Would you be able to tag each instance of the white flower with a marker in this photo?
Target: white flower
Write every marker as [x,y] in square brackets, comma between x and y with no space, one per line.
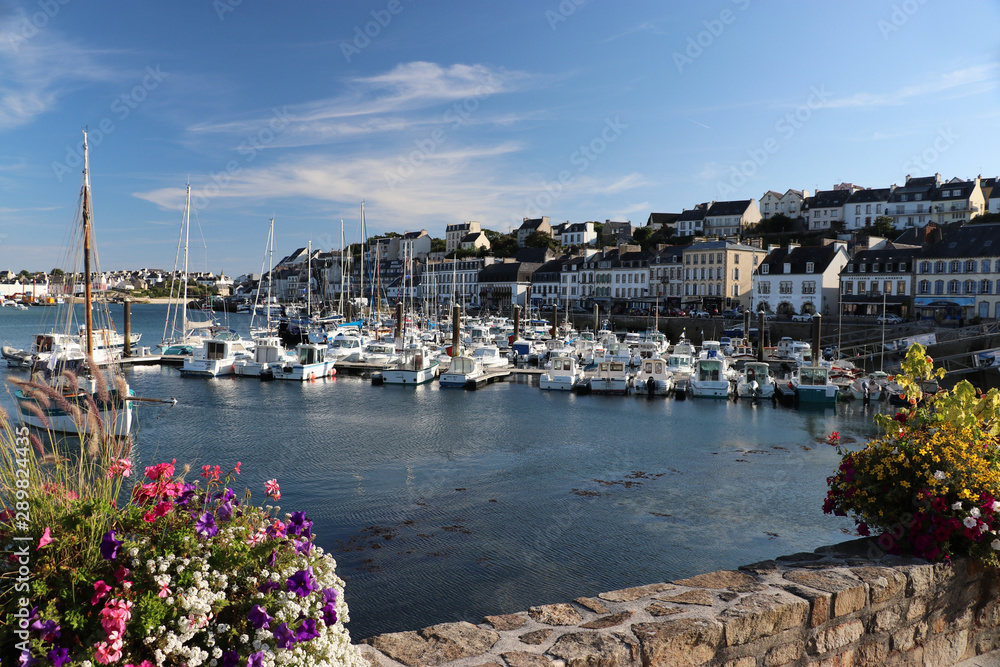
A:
[969,522]
[940,474]
[957,506]
[996,505]
[995,544]
[974,512]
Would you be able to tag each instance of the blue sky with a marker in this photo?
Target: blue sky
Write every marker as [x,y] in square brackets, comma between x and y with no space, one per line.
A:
[451,111]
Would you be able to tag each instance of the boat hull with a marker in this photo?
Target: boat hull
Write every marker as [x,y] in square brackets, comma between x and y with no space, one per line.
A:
[408,377]
[709,389]
[115,414]
[304,373]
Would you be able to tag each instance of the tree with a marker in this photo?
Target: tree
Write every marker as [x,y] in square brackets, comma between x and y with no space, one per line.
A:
[438,245]
[540,240]
[777,223]
[985,218]
[57,272]
[504,245]
[883,226]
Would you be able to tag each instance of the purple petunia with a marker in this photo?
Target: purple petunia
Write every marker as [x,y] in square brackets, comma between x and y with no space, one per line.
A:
[329,614]
[58,656]
[230,659]
[225,511]
[259,617]
[301,583]
[110,546]
[330,595]
[283,636]
[268,586]
[303,547]
[273,557]
[206,525]
[49,630]
[298,524]
[256,659]
[306,631]
[185,495]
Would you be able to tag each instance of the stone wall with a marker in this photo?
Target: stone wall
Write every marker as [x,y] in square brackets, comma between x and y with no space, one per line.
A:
[836,607]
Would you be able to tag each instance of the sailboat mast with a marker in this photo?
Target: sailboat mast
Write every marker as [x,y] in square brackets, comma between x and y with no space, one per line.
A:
[187,236]
[270,258]
[309,255]
[88,297]
[364,242]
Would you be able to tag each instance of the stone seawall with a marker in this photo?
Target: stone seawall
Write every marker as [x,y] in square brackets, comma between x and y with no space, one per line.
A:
[840,606]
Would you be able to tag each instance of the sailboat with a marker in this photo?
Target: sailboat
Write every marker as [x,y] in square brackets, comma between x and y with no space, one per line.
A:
[68,389]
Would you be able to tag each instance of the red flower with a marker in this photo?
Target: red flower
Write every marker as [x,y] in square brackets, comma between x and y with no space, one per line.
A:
[834,438]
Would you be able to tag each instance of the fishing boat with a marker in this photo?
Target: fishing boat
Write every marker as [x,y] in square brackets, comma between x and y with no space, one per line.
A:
[709,379]
[268,353]
[653,378]
[755,381]
[611,378]
[563,375]
[217,356]
[416,365]
[462,370]
[67,385]
[811,385]
[310,363]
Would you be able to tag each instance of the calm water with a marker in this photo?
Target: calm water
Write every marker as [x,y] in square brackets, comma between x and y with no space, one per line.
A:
[444,505]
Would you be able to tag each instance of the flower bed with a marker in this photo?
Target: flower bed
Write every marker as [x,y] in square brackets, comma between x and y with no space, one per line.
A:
[930,484]
[173,573]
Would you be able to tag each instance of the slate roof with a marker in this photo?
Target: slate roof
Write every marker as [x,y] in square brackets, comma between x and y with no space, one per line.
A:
[890,253]
[536,255]
[662,218]
[737,207]
[508,272]
[967,241]
[696,213]
[870,196]
[828,199]
[530,225]
[954,190]
[670,254]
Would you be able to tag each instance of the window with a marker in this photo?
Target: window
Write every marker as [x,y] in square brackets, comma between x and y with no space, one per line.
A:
[939,287]
[939,267]
[764,288]
[863,267]
[887,287]
[711,258]
[970,287]
[736,273]
[850,268]
[902,266]
[984,286]
[809,287]
[875,267]
[718,257]
[953,286]
[785,287]
[857,209]
[736,259]
[925,267]
[736,290]
[810,267]
[970,266]
[924,287]
[900,287]
[764,268]
[955,266]
[848,287]
[861,287]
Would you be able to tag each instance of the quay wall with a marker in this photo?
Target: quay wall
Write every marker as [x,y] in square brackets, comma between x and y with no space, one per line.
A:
[840,606]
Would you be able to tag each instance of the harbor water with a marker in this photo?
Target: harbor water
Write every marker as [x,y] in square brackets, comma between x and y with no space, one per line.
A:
[444,505]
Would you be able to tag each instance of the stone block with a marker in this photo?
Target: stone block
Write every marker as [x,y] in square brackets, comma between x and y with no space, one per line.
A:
[849,593]
[838,636]
[917,609]
[634,593]
[871,654]
[782,654]
[555,614]
[593,604]
[819,603]
[844,659]
[919,580]
[436,644]
[762,567]
[745,661]
[535,638]
[505,622]
[762,615]
[883,583]
[659,609]
[525,659]
[720,579]
[946,649]
[885,620]
[684,642]
[593,649]
[698,596]
[607,621]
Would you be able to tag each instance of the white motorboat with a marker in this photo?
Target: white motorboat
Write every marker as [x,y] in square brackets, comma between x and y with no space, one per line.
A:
[871,386]
[611,378]
[563,375]
[217,356]
[811,385]
[489,356]
[416,365]
[709,379]
[347,347]
[310,364]
[268,352]
[755,381]
[653,378]
[462,370]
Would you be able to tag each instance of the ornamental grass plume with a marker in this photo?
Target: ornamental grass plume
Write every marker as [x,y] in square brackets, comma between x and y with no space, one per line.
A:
[158,570]
[929,485]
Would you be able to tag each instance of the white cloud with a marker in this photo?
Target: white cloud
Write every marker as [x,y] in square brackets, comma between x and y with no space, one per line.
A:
[958,83]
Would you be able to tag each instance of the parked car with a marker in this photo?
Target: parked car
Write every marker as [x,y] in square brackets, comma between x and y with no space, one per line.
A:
[731,313]
[802,317]
[700,313]
[889,319]
[769,316]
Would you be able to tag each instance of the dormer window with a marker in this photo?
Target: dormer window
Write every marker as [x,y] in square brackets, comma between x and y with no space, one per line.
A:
[765,268]
[787,268]
[810,267]
[850,268]
[862,267]
[875,267]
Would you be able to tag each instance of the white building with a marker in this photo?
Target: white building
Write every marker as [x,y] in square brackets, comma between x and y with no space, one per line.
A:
[796,279]
[863,207]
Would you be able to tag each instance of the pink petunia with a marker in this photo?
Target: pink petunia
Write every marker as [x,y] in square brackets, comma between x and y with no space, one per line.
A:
[100,590]
[272,489]
[45,539]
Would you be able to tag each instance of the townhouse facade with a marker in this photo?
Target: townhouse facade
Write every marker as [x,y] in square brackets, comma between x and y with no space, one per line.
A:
[960,274]
[730,218]
[455,232]
[789,203]
[800,280]
[825,209]
[718,275]
[864,207]
[453,281]
[879,280]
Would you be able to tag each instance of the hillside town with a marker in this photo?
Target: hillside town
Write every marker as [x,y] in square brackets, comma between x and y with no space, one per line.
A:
[927,249]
